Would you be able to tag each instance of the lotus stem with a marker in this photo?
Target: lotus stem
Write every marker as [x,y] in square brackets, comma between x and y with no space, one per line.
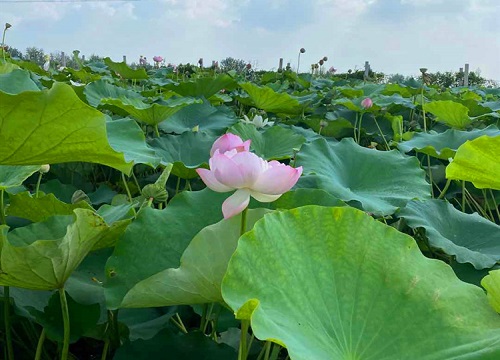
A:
[6,314]
[129,194]
[242,352]
[38,182]
[66,324]
[448,182]
[39,347]
[2,208]
[495,203]
[243,226]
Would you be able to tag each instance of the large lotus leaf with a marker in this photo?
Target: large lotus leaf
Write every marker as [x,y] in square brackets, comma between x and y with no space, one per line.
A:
[491,283]
[302,197]
[16,82]
[493,105]
[126,136]
[101,89]
[56,127]
[36,209]
[274,143]
[7,67]
[267,99]
[83,318]
[203,87]
[12,176]
[41,256]
[203,265]
[469,237]
[477,161]
[333,283]
[385,101]
[333,124]
[449,112]
[187,152]
[444,145]
[124,71]
[191,346]
[151,114]
[205,116]
[156,240]
[381,181]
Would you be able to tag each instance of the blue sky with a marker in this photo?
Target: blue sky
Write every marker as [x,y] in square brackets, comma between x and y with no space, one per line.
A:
[396,36]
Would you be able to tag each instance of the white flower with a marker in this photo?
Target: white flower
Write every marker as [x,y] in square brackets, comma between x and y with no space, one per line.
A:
[258,121]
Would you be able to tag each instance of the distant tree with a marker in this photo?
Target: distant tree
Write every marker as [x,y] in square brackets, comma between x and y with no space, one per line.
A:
[15,53]
[94,58]
[396,78]
[230,63]
[35,55]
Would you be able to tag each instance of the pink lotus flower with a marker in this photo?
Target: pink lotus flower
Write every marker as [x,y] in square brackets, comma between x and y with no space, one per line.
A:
[228,142]
[157,59]
[367,103]
[249,175]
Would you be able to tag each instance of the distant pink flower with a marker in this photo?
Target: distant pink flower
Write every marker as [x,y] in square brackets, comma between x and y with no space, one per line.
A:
[367,103]
[228,142]
[157,59]
[332,70]
[249,175]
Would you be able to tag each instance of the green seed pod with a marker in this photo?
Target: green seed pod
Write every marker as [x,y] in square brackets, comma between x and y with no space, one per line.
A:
[155,191]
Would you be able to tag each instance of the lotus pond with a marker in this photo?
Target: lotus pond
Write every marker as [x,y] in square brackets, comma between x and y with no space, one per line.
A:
[165,215]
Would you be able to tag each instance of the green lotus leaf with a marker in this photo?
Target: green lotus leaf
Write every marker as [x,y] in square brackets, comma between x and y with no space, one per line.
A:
[83,318]
[491,283]
[187,152]
[354,288]
[274,143]
[333,124]
[12,176]
[42,256]
[203,265]
[381,181]
[203,87]
[16,82]
[444,145]
[193,345]
[267,99]
[151,114]
[477,161]
[126,136]
[156,240]
[469,237]
[493,105]
[7,67]
[124,71]
[101,89]
[301,197]
[385,101]
[37,209]
[449,112]
[56,127]
[205,116]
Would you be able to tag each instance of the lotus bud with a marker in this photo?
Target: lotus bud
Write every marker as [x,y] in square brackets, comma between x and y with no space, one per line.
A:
[44,169]
[155,192]
[79,195]
[302,50]
[323,123]
[367,103]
